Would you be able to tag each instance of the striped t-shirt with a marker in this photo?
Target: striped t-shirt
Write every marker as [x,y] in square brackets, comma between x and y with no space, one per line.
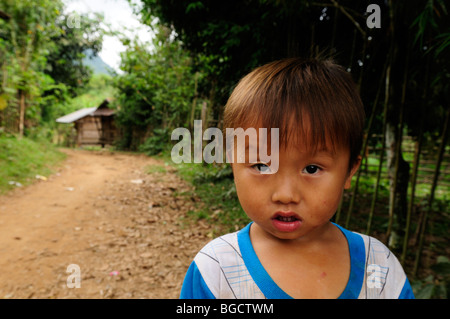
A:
[228,267]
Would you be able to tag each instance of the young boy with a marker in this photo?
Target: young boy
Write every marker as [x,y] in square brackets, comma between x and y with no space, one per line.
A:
[291,249]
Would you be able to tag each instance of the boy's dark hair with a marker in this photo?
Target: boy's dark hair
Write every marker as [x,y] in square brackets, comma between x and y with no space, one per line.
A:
[313,100]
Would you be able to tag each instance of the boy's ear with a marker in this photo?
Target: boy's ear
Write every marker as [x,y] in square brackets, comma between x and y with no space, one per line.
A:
[353,170]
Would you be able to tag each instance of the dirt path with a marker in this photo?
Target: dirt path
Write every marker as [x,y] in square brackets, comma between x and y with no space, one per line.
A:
[101,211]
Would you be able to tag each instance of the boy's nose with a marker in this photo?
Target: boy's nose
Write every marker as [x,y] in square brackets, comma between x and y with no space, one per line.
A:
[286,190]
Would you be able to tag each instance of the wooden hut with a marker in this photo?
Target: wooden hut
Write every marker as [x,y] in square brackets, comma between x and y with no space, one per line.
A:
[94,125]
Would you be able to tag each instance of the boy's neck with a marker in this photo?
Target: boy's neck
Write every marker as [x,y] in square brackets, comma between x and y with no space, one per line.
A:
[314,266]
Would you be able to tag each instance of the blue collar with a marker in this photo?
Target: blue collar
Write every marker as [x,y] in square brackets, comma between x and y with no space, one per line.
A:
[271,290]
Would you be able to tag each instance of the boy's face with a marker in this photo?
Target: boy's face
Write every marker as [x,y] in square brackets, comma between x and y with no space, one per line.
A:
[300,197]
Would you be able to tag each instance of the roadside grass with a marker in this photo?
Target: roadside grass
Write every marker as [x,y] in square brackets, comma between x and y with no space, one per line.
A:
[22,160]
[214,188]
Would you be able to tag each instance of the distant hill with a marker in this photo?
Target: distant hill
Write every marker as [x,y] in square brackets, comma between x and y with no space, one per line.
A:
[96,64]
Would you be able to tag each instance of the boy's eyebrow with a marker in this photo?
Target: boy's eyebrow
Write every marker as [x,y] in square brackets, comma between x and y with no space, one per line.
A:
[323,151]
[320,151]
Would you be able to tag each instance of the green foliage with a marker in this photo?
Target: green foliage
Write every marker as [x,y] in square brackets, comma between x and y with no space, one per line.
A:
[229,38]
[69,46]
[99,88]
[214,175]
[22,159]
[156,89]
[156,143]
[24,43]
[41,61]
[426,21]
[437,285]
[214,185]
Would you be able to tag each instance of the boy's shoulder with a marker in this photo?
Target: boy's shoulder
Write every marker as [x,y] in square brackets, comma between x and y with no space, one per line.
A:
[223,269]
[384,276]
[227,245]
[222,244]
[373,248]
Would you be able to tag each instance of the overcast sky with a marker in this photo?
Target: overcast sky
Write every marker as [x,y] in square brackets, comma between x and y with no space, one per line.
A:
[119,15]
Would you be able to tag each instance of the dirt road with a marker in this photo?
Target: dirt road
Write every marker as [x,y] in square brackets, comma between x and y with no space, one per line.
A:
[121,227]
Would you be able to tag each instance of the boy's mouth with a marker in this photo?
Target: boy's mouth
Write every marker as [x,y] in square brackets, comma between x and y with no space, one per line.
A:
[286,221]
[286,216]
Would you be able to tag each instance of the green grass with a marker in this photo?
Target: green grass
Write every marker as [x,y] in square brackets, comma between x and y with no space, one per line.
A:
[425,175]
[155,169]
[214,186]
[21,159]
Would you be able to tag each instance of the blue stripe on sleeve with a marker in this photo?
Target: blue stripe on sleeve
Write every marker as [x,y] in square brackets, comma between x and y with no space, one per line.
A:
[194,286]
[406,292]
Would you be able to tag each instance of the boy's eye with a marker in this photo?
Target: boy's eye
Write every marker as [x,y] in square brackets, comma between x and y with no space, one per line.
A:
[311,169]
[261,167]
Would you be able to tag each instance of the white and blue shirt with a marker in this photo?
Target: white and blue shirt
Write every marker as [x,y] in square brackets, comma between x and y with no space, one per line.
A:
[228,268]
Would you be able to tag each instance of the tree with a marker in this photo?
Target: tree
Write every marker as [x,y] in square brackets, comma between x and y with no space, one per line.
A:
[40,60]
[155,91]
[24,38]
[69,46]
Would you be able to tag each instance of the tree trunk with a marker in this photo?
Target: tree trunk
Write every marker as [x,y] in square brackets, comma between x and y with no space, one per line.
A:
[194,103]
[398,168]
[381,156]
[363,156]
[398,172]
[417,149]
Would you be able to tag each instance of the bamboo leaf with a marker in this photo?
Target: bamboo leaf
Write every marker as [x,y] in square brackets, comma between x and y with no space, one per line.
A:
[426,292]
